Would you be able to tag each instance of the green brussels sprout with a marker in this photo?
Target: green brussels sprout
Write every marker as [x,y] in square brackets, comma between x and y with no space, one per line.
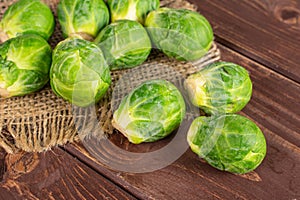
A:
[180,33]
[79,72]
[27,16]
[24,65]
[221,87]
[150,112]
[125,44]
[228,142]
[84,18]
[136,10]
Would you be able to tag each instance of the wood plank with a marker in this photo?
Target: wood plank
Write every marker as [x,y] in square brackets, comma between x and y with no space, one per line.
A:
[2,162]
[54,175]
[275,100]
[274,107]
[266,31]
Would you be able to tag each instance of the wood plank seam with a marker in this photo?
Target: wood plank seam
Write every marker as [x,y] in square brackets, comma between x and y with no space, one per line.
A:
[250,56]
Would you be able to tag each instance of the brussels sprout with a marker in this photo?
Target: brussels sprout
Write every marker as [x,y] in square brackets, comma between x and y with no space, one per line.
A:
[27,16]
[179,33]
[79,72]
[221,87]
[150,112]
[84,18]
[24,65]
[136,10]
[125,44]
[228,142]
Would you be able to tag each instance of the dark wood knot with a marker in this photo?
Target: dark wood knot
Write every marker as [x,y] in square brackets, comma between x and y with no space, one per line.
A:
[290,16]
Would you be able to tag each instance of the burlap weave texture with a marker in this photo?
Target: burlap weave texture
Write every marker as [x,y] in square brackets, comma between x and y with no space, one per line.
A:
[41,120]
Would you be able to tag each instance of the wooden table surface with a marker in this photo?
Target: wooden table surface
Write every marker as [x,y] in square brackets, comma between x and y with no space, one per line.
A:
[264,37]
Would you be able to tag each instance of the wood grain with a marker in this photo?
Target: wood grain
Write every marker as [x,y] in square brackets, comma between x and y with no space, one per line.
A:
[54,175]
[275,101]
[274,108]
[2,163]
[267,31]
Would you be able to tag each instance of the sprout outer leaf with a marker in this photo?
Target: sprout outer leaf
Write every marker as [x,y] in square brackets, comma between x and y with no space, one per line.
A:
[82,18]
[150,112]
[27,17]
[24,65]
[228,142]
[79,72]
[125,44]
[221,87]
[179,33]
[136,10]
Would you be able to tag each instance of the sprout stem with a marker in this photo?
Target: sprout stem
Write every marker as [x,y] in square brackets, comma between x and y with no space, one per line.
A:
[118,127]
[82,35]
[4,93]
[3,36]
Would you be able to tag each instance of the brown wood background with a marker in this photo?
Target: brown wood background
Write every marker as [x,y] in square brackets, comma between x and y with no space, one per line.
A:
[264,37]
[266,31]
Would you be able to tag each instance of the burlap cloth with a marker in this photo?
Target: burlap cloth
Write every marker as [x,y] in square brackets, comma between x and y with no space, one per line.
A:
[39,121]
